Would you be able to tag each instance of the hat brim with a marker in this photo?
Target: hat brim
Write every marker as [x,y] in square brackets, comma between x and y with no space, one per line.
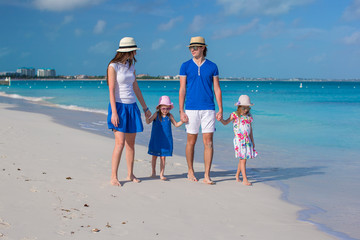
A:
[197,45]
[127,49]
[247,105]
[171,105]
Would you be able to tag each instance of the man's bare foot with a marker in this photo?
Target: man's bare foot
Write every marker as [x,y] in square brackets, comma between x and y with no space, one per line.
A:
[246,183]
[209,181]
[115,182]
[153,175]
[163,178]
[192,178]
[134,179]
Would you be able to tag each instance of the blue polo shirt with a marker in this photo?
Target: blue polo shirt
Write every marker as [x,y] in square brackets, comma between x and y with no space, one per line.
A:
[199,84]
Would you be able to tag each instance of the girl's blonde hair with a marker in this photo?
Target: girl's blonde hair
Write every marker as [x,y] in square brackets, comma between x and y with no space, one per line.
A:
[122,57]
[238,110]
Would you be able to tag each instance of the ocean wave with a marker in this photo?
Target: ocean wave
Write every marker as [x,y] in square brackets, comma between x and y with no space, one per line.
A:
[32,99]
[82,109]
[43,100]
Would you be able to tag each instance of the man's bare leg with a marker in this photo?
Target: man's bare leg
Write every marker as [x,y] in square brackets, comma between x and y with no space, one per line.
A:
[190,149]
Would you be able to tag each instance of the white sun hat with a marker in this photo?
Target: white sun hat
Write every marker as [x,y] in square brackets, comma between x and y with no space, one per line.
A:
[244,100]
[127,44]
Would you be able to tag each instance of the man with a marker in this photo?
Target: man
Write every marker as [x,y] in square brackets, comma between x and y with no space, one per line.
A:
[198,78]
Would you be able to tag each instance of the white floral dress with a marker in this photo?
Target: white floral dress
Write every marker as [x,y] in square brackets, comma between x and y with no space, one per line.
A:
[242,143]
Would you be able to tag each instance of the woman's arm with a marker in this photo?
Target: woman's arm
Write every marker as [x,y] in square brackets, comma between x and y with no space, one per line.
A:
[141,99]
[111,74]
[173,121]
[152,118]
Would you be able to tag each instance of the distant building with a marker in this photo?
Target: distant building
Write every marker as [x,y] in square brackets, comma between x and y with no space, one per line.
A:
[26,72]
[167,77]
[177,77]
[46,72]
[9,74]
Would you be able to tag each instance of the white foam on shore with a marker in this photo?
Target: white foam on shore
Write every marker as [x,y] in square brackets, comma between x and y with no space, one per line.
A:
[43,100]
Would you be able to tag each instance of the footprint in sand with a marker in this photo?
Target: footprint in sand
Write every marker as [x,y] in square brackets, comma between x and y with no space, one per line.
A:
[4,224]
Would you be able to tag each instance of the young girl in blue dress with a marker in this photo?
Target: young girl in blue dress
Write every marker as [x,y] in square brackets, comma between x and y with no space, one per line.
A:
[161,141]
[244,144]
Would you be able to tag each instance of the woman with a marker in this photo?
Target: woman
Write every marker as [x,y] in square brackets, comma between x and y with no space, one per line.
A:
[124,116]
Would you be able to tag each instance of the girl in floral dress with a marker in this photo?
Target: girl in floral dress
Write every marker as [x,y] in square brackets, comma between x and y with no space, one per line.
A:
[244,144]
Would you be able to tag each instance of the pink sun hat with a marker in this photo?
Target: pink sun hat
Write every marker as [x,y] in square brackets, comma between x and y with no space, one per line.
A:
[165,100]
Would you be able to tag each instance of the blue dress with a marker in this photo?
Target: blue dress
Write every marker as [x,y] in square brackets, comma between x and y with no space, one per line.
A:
[161,141]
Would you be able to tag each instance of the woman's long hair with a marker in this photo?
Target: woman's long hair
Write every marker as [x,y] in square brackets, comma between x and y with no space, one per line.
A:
[122,57]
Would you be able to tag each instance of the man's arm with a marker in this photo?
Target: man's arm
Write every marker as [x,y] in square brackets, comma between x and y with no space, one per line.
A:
[218,96]
[182,94]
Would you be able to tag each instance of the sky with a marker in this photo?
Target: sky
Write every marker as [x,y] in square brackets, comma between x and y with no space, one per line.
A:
[245,38]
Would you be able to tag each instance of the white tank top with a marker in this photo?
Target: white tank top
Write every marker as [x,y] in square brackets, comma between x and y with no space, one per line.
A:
[124,92]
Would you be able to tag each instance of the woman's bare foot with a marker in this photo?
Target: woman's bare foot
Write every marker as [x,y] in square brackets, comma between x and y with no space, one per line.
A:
[163,178]
[115,182]
[192,178]
[153,175]
[134,179]
[238,179]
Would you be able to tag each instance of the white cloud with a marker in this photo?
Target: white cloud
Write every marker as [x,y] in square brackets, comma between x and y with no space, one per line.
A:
[157,44]
[352,39]
[352,12]
[63,5]
[67,20]
[169,25]
[273,29]
[99,27]
[197,24]
[260,7]
[78,32]
[225,33]
[103,47]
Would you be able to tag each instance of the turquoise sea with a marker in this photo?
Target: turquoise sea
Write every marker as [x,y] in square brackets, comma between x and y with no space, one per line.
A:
[307,137]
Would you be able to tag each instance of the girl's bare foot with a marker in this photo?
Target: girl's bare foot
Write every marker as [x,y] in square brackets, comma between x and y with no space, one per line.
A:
[115,182]
[163,178]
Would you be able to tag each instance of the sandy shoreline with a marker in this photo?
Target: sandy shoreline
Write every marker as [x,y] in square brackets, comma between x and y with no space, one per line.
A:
[55,185]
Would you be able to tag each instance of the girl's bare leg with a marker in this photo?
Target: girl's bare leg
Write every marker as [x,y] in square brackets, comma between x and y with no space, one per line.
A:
[237,176]
[130,154]
[153,166]
[115,161]
[243,172]
[162,168]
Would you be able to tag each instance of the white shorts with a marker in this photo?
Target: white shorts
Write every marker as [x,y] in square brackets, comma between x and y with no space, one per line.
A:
[205,118]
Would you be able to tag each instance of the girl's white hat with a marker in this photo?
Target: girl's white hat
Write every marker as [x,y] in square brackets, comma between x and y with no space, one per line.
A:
[165,100]
[244,100]
[127,44]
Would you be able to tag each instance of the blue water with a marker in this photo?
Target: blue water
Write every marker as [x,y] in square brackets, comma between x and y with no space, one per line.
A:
[307,138]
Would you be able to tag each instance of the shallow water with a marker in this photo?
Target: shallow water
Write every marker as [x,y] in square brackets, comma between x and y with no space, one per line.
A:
[307,138]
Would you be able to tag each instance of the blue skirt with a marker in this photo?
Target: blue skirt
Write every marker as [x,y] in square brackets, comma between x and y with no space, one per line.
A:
[129,118]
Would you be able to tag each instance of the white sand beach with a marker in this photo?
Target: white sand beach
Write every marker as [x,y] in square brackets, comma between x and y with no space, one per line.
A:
[54,183]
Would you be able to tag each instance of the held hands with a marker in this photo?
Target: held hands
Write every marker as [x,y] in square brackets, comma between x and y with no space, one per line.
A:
[147,113]
[219,116]
[183,117]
